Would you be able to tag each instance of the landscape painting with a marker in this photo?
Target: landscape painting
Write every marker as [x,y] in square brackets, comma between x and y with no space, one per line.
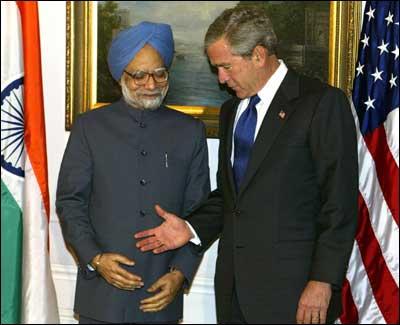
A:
[192,83]
[316,38]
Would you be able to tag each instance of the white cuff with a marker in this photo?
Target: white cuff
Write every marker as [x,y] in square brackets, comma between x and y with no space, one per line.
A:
[196,240]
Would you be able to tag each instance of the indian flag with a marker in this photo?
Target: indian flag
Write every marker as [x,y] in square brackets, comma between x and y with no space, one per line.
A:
[27,289]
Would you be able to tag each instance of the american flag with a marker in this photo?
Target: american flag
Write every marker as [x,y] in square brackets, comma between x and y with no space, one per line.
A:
[371,290]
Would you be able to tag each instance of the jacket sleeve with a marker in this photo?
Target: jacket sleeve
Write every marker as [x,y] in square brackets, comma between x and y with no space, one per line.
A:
[187,258]
[73,195]
[207,219]
[334,151]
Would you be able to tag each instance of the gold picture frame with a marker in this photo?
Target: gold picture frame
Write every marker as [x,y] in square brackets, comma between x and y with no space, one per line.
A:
[81,74]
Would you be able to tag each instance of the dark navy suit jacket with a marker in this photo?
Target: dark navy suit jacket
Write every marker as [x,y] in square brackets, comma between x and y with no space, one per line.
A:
[295,215]
[119,163]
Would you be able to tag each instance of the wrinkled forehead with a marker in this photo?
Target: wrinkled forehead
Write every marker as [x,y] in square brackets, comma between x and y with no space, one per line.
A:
[220,54]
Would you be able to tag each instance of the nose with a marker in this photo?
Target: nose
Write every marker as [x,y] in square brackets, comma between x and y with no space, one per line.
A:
[150,84]
[223,76]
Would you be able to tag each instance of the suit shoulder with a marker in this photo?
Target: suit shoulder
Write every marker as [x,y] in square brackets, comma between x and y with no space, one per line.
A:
[314,86]
[174,113]
[181,118]
[323,99]
[311,85]
[228,105]
[89,122]
[98,113]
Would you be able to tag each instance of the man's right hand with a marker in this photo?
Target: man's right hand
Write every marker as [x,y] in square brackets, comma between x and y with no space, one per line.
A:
[172,233]
[108,266]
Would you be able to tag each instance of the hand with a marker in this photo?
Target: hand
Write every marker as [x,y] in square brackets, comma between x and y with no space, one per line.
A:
[108,267]
[172,233]
[169,285]
[313,303]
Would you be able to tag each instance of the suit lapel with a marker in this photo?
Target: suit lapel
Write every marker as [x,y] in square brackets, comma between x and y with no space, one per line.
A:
[278,113]
[228,145]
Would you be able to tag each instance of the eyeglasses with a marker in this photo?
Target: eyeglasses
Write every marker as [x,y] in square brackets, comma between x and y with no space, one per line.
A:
[140,78]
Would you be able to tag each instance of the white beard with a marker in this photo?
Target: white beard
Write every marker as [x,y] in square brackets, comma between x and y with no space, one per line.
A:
[133,97]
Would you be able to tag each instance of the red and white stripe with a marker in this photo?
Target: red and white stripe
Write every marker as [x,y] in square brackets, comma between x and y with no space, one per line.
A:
[371,291]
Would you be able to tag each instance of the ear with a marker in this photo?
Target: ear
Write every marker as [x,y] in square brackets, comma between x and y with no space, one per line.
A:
[259,55]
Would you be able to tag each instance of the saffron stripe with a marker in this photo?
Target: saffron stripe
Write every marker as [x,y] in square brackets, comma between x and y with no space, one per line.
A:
[35,137]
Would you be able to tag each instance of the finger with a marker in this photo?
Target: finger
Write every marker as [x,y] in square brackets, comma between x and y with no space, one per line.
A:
[315,316]
[162,294]
[322,316]
[125,282]
[123,287]
[120,285]
[128,286]
[158,285]
[150,247]
[154,299]
[145,233]
[147,241]
[123,259]
[127,275]
[307,316]
[161,212]
[154,309]
[300,315]
[161,249]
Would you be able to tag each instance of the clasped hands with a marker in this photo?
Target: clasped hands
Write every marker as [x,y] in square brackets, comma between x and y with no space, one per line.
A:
[165,288]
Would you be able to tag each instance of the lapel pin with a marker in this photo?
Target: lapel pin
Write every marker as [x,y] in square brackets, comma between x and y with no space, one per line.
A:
[282,115]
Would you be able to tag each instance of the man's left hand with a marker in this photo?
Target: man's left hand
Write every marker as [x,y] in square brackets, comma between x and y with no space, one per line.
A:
[168,286]
[313,303]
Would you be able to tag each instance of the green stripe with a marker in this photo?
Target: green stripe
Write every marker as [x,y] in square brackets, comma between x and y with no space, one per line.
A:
[11,257]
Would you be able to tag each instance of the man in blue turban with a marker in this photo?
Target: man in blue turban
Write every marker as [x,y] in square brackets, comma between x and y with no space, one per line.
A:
[146,42]
[129,42]
[120,162]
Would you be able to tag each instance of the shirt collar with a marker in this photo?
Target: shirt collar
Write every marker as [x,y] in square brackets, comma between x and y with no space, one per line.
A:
[273,83]
[141,114]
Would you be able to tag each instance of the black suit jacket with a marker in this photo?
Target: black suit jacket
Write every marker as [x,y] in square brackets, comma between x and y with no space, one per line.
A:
[294,217]
[119,163]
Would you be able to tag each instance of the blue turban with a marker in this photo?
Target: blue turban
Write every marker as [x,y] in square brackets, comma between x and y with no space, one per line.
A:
[130,41]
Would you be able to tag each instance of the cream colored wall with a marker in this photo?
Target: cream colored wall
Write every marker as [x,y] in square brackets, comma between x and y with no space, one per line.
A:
[199,304]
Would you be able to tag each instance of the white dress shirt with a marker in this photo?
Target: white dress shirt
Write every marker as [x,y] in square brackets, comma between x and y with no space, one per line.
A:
[266,94]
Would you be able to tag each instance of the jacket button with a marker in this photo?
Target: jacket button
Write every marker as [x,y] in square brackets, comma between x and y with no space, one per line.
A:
[143,182]
[143,153]
[142,125]
[237,213]
[142,213]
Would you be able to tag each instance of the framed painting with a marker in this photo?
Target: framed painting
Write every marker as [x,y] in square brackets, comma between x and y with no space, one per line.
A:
[322,45]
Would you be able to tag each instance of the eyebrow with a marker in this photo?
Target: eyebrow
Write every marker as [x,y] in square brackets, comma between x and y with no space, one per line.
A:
[147,70]
[221,65]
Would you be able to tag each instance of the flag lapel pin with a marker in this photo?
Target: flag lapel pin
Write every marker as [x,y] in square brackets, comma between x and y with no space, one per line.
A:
[282,115]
